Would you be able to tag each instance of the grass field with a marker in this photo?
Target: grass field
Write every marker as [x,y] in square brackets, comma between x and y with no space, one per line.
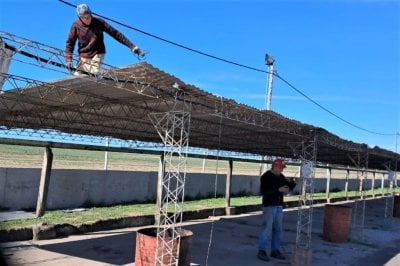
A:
[32,157]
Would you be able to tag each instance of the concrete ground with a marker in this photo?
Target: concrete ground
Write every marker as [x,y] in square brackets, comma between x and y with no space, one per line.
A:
[227,240]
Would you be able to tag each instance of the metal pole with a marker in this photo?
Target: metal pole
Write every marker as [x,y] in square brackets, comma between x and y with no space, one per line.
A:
[269,88]
[204,161]
[269,61]
[106,153]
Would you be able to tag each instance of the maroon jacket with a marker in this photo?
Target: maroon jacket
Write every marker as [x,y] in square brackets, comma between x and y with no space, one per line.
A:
[91,38]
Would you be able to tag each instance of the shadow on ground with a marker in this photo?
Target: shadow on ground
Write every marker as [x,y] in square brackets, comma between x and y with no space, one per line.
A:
[227,240]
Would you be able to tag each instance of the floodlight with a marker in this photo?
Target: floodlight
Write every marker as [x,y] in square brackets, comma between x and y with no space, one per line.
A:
[269,60]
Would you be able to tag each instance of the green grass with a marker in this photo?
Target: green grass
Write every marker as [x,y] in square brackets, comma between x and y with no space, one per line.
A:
[118,211]
[20,150]
[129,210]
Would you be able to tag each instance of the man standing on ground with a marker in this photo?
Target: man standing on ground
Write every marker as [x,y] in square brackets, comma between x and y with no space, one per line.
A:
[273,186]
[88,30]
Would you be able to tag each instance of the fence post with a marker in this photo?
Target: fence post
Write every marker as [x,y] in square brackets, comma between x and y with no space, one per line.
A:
[44,182]
[228,188]
[373,184]
[160,176]
[328,183]
[346,186]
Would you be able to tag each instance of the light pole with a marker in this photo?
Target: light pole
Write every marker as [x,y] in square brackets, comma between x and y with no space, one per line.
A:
[269,61]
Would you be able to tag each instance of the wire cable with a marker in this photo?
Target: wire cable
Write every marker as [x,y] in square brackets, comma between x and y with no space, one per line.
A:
[328,111]
[239,65]
[215,186]
[170,42]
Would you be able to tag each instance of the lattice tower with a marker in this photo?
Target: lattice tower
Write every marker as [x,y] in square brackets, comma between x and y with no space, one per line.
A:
[173,128]
[358,214]
[389,201]
[305,211]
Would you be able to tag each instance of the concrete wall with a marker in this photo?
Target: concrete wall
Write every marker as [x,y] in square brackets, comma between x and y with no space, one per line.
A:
[77,188]
[20,187]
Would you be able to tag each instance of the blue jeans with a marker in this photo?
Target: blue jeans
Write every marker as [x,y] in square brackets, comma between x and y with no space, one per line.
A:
[272,227]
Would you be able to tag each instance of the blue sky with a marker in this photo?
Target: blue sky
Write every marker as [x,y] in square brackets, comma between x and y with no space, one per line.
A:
[345,55]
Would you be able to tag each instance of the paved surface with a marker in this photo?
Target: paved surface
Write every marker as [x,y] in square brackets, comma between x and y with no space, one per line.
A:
[15,215]
[223,241]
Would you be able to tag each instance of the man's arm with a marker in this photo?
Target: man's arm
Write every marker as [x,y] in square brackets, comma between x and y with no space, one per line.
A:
[117,35]
[291,183]
[70,44]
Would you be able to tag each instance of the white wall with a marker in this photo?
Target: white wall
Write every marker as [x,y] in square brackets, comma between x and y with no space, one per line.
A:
[77,188]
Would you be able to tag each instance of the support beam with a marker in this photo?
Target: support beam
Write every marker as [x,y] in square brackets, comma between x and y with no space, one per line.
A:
[373,183]
[5,60]
[346,186]
[228,188]
[328,183]
[161,171]
[44,182]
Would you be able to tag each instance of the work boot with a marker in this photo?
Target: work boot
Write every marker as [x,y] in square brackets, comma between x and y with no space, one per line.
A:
[277,255]
[262,255]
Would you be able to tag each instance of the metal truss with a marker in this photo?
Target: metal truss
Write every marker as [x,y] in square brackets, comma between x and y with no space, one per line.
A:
[389,202]
[37,105]
[84,105]
[173,128]
[339,143]
[66,107]
[5,58]
[48,57]
[51,58]
[18,135]
[391,166]
[44,56]
[308,151]
[358,214]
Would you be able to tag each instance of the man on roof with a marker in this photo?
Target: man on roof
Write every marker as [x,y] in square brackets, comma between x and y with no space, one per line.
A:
[88,30]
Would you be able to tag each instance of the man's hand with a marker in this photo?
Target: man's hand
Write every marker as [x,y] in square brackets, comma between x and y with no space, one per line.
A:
[138,52]
[69,66]
[284,189]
